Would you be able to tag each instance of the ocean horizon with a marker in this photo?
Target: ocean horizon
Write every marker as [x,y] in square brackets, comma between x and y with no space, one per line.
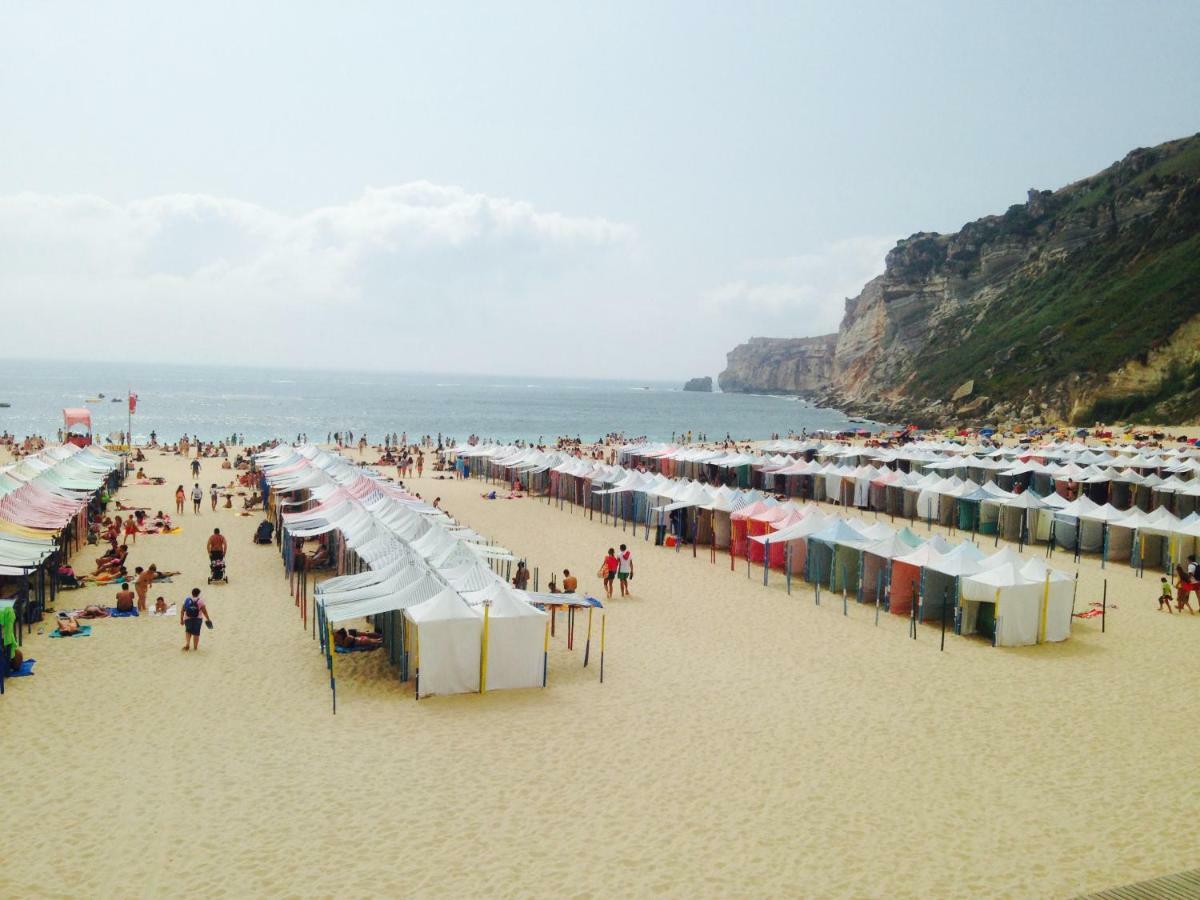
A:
[263,403]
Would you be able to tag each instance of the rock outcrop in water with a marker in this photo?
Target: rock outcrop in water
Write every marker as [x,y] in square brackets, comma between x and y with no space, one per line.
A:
[699,385]
[1079,304]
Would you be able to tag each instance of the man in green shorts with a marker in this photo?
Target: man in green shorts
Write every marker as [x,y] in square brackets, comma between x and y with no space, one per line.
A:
[624,569]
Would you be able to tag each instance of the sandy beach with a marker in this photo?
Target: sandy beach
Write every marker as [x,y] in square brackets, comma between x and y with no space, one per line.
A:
[745,742]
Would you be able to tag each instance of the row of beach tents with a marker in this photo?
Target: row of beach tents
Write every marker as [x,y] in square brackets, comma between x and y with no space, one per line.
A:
[44,501]
[702,510]
[1014,601]
[429,584]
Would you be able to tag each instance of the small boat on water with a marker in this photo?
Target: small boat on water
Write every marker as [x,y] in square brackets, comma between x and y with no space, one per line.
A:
[4,405]
[116,399]
[101,396]
[92,400]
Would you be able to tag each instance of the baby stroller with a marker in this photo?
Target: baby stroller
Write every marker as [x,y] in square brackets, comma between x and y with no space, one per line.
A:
[216,568]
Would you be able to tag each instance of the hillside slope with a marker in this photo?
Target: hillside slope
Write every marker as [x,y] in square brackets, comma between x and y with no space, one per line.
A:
[1080,304]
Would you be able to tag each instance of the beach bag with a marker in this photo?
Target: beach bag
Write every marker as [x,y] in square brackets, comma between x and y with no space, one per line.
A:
[191,609]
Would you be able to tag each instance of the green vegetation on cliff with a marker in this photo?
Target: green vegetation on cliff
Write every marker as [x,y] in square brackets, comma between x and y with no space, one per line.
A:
[1116,299]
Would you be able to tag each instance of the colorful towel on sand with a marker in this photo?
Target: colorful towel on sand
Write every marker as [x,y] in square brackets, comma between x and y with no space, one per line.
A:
[26,669]
[170,612]
[1089,613]
[115,613]
[84,631]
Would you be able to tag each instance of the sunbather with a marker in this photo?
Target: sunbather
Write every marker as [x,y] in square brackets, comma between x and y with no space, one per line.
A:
[357,640]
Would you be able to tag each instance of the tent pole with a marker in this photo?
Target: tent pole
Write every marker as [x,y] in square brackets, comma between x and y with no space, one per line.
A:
[587,644]
[603,623]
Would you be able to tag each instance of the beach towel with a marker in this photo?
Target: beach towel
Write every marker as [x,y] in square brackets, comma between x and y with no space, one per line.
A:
[354,649]
[103,583]
[166,579]
[170,612]
[26,669]
[84,631]
[1089,613]
[115,613]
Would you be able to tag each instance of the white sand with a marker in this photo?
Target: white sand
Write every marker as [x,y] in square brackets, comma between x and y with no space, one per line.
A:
[744,742]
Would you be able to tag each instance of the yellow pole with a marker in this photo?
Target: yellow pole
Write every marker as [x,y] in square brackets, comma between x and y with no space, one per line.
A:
[1045,608]
[483,654]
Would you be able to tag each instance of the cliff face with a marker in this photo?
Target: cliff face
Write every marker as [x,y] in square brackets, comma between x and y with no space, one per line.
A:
[780,365]
[1077,304]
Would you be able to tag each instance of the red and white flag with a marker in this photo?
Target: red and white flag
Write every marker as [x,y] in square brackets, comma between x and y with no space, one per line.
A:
[132,403]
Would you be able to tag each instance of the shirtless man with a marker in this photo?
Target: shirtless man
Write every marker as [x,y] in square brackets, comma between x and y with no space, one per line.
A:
[570,582]
[216,545]
[125,599]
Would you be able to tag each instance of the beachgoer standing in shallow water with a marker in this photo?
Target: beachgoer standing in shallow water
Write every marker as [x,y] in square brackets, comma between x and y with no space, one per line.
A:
[608,571]
[197,498]
[194,611]
[179,498]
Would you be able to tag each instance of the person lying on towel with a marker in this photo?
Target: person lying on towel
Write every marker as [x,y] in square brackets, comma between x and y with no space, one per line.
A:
[354,639]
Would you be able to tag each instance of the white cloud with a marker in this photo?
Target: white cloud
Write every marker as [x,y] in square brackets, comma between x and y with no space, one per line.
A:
[806,291]
[407,276]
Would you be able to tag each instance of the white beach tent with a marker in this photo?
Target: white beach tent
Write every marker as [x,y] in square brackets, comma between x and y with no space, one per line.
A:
[515,640]
[1058,598]
[1018,604]
[445,644]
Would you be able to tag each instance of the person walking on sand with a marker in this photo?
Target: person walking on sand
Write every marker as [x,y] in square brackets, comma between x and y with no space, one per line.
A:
[216,545]
[1165,595]
[197,498]
[196,468]
[624,569]
[190,615]
[179,498]
[213,493]
[608,571]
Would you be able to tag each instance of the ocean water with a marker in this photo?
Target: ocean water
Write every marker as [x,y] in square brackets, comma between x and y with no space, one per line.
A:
[214,401]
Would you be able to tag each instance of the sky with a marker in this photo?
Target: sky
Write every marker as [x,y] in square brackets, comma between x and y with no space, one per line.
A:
[619,189]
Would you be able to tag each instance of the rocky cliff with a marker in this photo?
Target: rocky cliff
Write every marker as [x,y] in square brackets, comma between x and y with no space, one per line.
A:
[780,365]
[1081,303]
[699,385]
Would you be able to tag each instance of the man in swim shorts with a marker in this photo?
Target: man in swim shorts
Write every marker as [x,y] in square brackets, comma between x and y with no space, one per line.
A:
[193,612]
[624,569]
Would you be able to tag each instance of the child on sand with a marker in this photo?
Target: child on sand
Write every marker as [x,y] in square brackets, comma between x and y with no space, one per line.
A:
[160,606]
[1165,595]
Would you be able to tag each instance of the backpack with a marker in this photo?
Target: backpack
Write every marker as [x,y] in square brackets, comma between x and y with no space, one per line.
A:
[191,608]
